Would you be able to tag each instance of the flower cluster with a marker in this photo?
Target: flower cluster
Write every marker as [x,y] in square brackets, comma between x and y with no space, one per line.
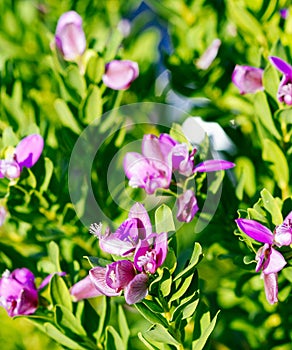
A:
[161,157]
[26,154]
[145,250]
[18,292]
[269,260]
[71,44]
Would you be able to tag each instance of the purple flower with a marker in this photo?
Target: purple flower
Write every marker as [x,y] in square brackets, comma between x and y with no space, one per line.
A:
[120,276]
[248,79]
[69,37]
[123,242]
[152,169]
[282,233]
[284,13]
[284,93]
[18,293]
[187,206]
[269,260]
[151,253]
[213,165]
[120,74]
[26,154]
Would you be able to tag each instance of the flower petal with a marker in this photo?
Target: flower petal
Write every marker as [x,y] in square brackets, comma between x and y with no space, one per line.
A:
[280,64]
[255,230]
[70,38]
[98,278]
[138,211]
[213,165]
[187,206]
[84,289]
[274,263]
[137,289]
[120,74]
[28,150]
[271,287]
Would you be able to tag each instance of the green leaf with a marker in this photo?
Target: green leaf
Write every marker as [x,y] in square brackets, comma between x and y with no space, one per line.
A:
[153,306]
[61,338]
[171,261]
[273,154]
[49,169]
[149,315]
[95,67]
[159,334]
[113,340]
[186,310]
[104,317]
[68,322]
[60,293]
[75,80]
[195,258]
[272,206]
[264,114]
[245,173]
[123,326]
[207,329]
[93,105]
[246,21]
[146,343]
[271,81]
[54,254]
[287,273]
[284,115]
[164,219]
[66,117]
[9,138]
[162,284]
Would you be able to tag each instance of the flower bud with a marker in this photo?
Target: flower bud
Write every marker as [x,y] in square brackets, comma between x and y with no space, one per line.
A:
[120,74]
[69,37]
[247,79]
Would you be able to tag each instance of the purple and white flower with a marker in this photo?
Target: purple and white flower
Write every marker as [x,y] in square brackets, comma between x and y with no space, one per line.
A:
[119,74]
[269,260]
[69,37]
[284,93]
[18,293]
[123,242]
[248,79]
[26,154]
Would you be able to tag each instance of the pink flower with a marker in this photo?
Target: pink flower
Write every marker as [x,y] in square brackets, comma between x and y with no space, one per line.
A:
[187,206]
[284,93]
[120,74]
[269,260]
[153,168]
[151,253]
[248,79]
[26,154]
[123,242]
[69,37]
[18,293]
[120,276]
